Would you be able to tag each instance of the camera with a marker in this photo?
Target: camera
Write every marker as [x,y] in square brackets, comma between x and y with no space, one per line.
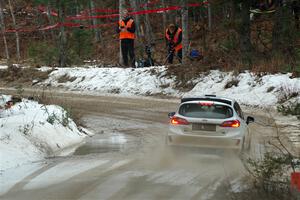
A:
[149,60]
[148,49]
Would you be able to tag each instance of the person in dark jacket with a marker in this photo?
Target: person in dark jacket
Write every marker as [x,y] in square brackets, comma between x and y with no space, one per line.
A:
[126,29]
[174,42]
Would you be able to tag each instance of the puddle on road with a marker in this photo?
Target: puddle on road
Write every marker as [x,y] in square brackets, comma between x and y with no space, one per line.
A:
[97,144]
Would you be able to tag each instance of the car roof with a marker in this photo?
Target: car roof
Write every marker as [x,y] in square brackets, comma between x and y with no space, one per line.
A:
[209,98]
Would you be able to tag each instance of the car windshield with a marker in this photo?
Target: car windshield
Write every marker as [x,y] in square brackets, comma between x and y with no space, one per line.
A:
[205,111]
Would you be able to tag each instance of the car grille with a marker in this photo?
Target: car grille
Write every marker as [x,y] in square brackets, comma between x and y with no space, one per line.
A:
[203,127]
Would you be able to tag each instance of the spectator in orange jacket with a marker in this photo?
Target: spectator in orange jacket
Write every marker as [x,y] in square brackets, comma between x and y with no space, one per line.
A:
[174,42]
[126,29]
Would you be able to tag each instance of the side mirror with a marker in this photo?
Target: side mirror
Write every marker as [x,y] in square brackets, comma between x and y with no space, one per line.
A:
[250,120]
[171,114]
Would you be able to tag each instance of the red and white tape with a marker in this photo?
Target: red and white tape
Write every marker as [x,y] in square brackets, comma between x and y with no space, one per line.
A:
[86,17]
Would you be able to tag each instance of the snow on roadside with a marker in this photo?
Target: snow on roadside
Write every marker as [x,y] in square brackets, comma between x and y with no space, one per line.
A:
[129,81]
[3,67]
[247,88]
[30,131]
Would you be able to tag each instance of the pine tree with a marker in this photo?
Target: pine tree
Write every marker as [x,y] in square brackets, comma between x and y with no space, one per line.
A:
[245,31]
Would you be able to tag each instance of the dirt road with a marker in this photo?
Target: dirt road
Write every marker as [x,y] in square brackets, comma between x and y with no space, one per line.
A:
[127,158]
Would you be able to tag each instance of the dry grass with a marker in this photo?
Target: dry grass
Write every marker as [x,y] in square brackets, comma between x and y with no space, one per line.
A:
[273,65]
[65,78]
[17,75]
[287,93]
[48,99]
[185,74]
[259,194]
[231,83]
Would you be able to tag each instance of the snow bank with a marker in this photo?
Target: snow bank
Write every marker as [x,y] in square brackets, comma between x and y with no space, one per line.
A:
[140,81]
[3,67]
[247,88]
[30,131]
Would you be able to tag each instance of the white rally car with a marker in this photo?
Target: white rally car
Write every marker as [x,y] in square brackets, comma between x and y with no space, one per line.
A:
[209,121]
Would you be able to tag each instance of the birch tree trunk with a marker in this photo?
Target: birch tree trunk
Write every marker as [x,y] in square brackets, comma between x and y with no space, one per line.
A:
[62,35]
[185,32]
[133,4]
[95,23]
[164,15]
[16,28]
[121,8]
[2,26]
[149,31]
[48,11]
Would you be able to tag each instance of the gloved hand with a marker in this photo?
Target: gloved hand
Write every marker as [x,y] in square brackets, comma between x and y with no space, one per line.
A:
[172,50]
[122,28]
[171,45]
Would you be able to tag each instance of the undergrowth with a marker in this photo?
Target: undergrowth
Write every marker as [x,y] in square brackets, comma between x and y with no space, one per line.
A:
[292,109]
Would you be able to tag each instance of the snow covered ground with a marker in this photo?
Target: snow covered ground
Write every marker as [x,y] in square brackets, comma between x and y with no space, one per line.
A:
[27,123]
[3,66]
[30,131]
[247,88]
[141,81]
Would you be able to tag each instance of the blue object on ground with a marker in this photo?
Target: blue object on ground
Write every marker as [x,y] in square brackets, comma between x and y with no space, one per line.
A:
[195,54]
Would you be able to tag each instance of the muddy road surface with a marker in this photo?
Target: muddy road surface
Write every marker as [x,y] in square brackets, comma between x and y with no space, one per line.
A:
[127,158]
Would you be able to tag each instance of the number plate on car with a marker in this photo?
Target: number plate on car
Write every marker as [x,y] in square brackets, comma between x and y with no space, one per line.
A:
[203,127]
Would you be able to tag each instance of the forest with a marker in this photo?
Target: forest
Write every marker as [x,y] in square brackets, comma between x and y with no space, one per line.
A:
[257,35]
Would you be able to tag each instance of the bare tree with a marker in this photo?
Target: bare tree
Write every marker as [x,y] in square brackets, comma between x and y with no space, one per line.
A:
[121,8]
[185,32]
[209,16]
[149,31]
[133,4]
[164,15]
[48,12]
[283,29]
[2,26]
[16,28]
[62,34]
[94,22]
[245,31]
